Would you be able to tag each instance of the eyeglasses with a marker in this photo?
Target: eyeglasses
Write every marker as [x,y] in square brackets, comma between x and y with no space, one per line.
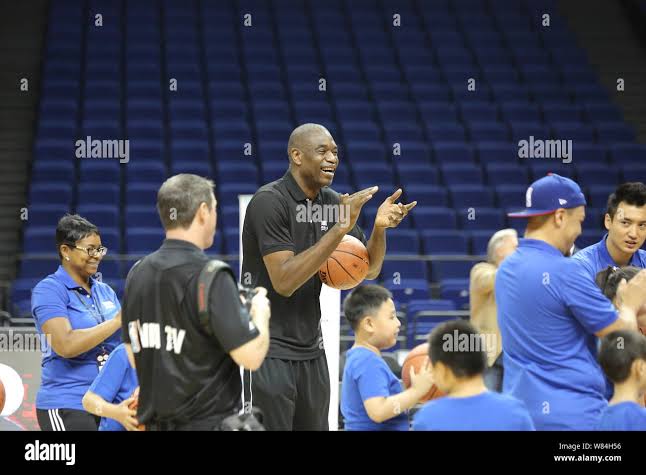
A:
[94,251]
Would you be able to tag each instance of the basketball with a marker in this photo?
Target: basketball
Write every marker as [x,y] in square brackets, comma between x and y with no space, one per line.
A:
[347,266]
[417,358]
[2,396]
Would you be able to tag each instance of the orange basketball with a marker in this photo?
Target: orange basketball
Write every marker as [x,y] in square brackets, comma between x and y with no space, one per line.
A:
[347,266]
[417,358]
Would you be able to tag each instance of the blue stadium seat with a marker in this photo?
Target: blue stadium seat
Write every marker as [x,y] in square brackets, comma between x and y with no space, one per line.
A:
[481,218]
[453,153]
[407,289]
[53,194]
[511,195]
[626,154]
[146,172]
[419,320]
[141,194]
[232,240]
[489,152]
[52,172]
[590,174]
[461,174]
[456,290]
[597,197]
[444,242]
[434,217]
[34,267]
[450,270]
[142,216]
[425,195]
[403,241]
[143,240]
[397,269]
[467,196]
[101,215]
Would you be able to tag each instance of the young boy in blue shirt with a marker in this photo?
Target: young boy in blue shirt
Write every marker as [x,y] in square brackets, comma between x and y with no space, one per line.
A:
[113,391]
[372,398]
[623,358]
[459,359]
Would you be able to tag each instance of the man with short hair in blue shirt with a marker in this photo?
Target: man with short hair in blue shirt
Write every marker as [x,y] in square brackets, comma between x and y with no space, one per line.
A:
[625,221]
[549,312]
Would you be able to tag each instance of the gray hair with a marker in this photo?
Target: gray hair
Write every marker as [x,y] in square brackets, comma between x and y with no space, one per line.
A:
[496,241]
[179,198]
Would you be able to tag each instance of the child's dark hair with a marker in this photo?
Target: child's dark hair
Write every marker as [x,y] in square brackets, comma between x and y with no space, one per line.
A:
[633,193]
[363,301]
[446,345]
[619,350]
[608,279]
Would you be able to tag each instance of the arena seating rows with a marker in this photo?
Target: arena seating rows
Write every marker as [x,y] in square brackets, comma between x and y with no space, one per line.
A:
[436,106]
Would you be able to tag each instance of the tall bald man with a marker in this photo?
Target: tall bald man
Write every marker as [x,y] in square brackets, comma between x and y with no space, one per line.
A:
[482,300]
[283,252]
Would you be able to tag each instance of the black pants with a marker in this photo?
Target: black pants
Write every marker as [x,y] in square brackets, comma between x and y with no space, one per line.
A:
[292,395]
[66,419]
[493,375]
[210,424]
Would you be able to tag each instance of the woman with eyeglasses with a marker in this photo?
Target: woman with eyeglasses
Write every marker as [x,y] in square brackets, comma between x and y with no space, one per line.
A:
[81,318]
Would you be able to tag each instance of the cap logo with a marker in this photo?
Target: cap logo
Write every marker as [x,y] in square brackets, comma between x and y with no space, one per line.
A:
[528,197]
[562,201]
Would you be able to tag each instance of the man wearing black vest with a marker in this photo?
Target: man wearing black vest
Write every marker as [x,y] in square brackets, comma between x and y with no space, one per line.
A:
[187,362]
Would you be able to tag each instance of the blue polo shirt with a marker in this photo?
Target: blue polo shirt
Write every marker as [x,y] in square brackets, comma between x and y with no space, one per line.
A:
[366,375]
[623,416]
[64,381]
[548,312]
[115,383]
[485,411]
[596,258]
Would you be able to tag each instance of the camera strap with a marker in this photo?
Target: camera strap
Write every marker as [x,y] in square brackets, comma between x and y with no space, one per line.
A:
[204,284]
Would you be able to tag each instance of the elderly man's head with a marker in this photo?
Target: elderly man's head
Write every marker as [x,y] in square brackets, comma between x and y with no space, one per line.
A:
[501,244]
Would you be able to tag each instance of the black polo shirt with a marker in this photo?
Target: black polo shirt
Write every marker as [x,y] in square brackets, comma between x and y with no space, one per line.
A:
[271,225]
[185,373]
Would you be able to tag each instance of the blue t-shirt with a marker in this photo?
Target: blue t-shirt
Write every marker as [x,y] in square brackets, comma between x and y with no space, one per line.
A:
[486,411]
[115,383]
[64,381]
[548,312]
[596,258]
[366,375]
[623,416]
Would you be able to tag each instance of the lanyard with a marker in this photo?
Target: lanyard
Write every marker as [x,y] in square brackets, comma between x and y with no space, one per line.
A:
[97,314]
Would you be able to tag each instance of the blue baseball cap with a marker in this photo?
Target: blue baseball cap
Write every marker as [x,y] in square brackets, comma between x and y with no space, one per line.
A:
[548,194]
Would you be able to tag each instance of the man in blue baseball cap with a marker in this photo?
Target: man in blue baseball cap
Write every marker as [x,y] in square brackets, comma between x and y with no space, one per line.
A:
[549,312]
